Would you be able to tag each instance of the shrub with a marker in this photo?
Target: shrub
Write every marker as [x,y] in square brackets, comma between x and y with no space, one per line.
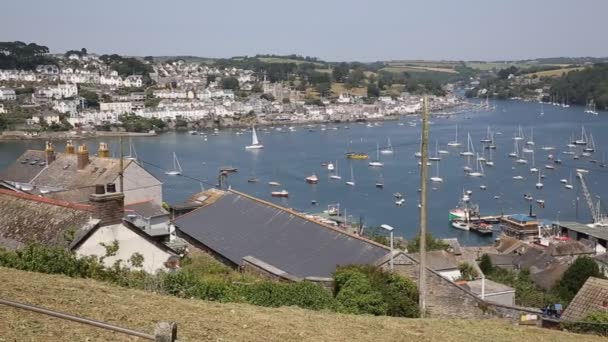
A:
[595,322]
[467,272]
[486,264]
[575,276]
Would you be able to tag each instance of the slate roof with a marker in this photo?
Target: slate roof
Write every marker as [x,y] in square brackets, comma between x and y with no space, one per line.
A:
[592,297]
[438,260]
[550,275]
[237,225]
[502,259]
[597,232]
[21,171]
[508,245]
[567,248]
[491,287]
[33,219]
[146,209]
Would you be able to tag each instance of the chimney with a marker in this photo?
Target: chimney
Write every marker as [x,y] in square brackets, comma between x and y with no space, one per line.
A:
[104,151]
[109,206]
[50,153]
[69,147]
[82,157]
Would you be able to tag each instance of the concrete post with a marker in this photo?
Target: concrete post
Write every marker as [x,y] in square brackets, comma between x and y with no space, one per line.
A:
[165,332]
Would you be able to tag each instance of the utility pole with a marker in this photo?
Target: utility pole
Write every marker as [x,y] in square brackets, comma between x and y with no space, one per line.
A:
[121,174]
[424,170]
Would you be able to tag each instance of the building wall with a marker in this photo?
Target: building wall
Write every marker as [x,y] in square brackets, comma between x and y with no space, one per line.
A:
[507,298]
[129,243]
[140,185]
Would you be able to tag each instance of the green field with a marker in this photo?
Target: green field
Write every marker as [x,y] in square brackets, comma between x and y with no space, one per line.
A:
[288,60]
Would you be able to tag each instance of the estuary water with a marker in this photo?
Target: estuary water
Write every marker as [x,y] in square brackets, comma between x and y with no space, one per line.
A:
[290,156]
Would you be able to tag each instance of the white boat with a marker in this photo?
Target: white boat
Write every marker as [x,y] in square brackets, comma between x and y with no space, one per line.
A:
[454,143]
[335,175]
[539,184]
[400,201]
[483,187]
[436,157]
[490,161]
[193,132]
[547,148]
[583,139]
[460,225]
[488,138]
[282,193]
[437,179]
[330,167]
[591,146]
[515,152]
[533,169]
[549,167]
[478,170]
[377,162]
[255,144]
[389,147]
[569,186]
[518,177]
[274,183]
[470,149]
[351,182]
[312,179]
[531,141]
[177,168]
[521,161]
[519,135]
[132,152]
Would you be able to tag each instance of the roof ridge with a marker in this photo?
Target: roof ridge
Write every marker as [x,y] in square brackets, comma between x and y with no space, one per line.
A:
[47,200]
[302,216]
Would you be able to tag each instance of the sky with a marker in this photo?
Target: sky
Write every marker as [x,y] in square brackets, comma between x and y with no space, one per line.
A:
[333,30]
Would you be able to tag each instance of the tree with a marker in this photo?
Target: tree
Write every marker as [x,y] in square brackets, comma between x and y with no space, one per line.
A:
[432,244]
[323,89]
[354,79]
[340,72]
[372,90]
[575,276]
[230,83]
[91,97]
[267,97]
[486,264]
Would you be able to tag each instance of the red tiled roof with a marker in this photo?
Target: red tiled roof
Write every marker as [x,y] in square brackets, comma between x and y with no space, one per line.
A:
[52,201]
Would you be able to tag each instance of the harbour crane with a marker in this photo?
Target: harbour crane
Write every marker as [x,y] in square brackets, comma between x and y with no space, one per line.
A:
[596,213]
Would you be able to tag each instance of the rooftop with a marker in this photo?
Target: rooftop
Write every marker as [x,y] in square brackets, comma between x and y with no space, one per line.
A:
[236,225]
[596,232]
[523,218]
[438,260]
[491,287]
[32,219]
[592,297]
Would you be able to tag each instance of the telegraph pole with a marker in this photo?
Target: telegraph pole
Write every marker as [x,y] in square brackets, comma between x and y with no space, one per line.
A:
[121,174]
[424,169]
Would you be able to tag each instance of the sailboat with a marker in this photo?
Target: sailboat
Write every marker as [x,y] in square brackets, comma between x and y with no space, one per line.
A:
[132,152]
[515,152]
[470,149]
[531,141]
[490,162]
[478,169]
[330,167]
[437,179]
[488,138]
[454,143]
[177,169]
[335,175]
[377,162]
[255,144]
[389,147]
[591,147]
[436,157]
[351,182]
[533,168]
[380,182]
[520,134]
[583,139]
[569,186]
[539,184]
[492,145]
[520,160]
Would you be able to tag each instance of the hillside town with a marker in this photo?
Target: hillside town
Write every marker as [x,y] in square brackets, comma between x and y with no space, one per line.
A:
[52,95]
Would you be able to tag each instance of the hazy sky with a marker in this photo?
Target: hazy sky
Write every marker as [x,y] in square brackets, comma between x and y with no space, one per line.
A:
[329,29]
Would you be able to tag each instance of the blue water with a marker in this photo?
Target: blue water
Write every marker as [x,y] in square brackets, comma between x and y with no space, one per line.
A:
[290,157]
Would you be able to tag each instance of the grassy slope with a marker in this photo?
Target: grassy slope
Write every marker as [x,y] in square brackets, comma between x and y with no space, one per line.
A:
[200,320]
[287,60]
[555,73]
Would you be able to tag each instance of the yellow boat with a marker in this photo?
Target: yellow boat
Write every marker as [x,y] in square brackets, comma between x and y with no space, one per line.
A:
[355,155]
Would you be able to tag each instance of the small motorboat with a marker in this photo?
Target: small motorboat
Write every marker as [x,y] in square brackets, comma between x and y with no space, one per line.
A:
[460,225]
[252,180]
[274,183]
[379,185]
[282,193]
[482,187]
[549,167]
[313,179]
[228,169]
[400,202]
[398,195]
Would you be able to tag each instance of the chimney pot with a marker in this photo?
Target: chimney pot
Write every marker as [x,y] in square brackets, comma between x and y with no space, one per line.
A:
[49,152]
[104,151]
[111,187]
[99,189]
[69,147]
[82,157]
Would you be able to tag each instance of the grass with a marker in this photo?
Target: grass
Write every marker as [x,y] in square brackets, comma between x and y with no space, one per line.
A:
[555,73]
[338,88]
[410,68]
[203,321]
[288,60]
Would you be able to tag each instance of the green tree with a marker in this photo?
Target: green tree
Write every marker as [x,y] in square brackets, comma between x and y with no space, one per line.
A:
[354,79]
[230,83]
[340,72]
[575,276]
[486,264]
[373,90]
[432,244]
[323,89]
[267,97]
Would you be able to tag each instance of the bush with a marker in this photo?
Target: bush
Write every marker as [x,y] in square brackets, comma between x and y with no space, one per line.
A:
[595,322]
[486,264]
[432,244]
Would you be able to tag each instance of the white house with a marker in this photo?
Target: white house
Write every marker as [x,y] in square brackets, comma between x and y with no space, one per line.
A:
[130,244]
[117,107]
[133,81]
[7,94]
[49,117]
[65,90]
[2,110]
[66,106]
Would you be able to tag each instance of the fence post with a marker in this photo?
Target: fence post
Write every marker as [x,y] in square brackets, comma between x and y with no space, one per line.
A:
[165,332]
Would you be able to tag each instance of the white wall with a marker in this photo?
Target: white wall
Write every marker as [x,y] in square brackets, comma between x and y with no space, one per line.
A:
[451,274]
[129,243]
